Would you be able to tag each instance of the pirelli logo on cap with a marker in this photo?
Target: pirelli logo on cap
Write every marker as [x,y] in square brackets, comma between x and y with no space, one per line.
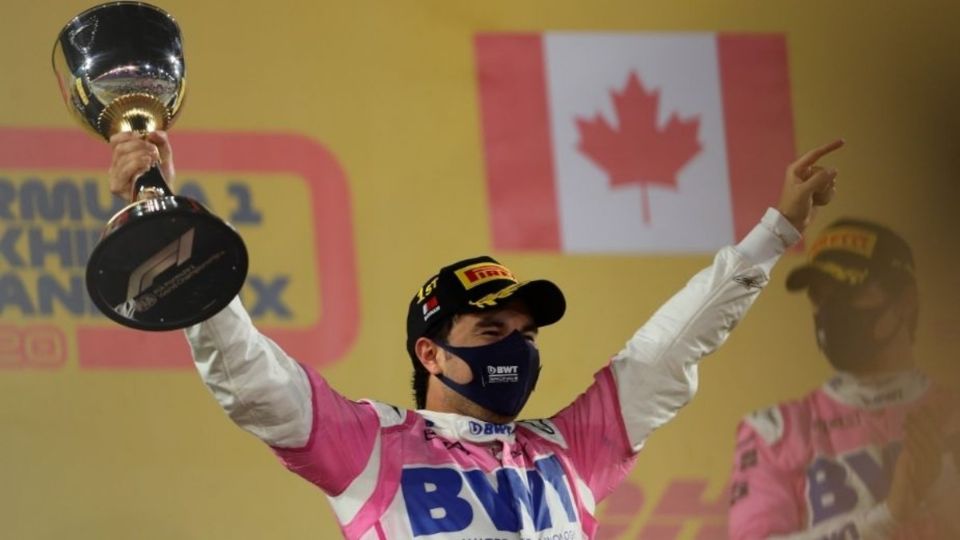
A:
[480,273]
[850,239]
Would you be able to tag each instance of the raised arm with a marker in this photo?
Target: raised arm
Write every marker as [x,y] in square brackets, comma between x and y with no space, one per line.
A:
[263,390]
[318,433]
[656,372]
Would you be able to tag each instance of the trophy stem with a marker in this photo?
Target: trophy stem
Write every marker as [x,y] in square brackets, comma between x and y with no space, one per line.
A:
[150,185]
[141,123]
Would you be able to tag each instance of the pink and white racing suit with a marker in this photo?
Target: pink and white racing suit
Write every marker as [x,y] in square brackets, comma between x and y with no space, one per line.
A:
[396,473]
[821,467]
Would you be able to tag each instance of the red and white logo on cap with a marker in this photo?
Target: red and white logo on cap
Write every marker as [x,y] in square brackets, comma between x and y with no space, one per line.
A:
[430,307]
[645,142]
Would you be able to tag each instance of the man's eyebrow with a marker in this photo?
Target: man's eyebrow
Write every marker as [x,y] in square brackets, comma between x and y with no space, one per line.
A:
[490,321]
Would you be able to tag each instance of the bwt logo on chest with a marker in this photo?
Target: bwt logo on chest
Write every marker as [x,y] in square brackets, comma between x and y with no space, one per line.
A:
[447,500]
[478,428]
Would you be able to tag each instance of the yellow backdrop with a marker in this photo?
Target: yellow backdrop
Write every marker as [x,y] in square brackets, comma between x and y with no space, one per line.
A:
[389,89]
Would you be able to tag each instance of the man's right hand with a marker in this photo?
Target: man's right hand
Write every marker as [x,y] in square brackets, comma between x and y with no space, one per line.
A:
[133,155]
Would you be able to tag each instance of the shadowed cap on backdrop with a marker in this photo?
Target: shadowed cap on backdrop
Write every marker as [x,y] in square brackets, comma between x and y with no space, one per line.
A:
[850,251]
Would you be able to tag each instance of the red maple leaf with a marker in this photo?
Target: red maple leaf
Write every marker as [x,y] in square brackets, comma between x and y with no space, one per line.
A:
[639,151]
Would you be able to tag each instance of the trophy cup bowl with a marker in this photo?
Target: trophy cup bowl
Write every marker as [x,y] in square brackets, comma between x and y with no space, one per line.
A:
[164,261]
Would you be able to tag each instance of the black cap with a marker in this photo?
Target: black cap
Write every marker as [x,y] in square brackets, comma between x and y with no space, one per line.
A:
[850,251]
[478,284]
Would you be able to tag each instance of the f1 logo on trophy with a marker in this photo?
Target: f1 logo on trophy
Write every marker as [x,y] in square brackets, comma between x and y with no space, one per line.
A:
[164,261]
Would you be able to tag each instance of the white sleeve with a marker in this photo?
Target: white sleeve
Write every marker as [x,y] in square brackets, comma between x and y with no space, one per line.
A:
[874,523]
[656,372]
[261,388]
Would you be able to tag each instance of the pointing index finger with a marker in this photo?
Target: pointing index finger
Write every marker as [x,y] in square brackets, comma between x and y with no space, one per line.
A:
[812,156]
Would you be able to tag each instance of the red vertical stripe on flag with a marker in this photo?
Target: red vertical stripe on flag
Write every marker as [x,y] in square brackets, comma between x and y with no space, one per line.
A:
[759,122]
[521,193]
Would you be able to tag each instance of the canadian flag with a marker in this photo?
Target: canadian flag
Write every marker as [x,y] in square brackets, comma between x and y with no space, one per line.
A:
[632,142]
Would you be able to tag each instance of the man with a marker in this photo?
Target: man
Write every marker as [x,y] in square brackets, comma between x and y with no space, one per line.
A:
[868,454]
[461,467]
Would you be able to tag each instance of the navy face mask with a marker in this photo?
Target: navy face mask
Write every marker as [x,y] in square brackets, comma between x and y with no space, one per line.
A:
[504,373]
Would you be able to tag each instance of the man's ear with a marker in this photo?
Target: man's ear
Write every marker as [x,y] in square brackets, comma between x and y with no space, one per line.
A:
[429,354]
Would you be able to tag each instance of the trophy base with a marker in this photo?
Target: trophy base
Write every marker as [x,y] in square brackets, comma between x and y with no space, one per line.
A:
[166,263]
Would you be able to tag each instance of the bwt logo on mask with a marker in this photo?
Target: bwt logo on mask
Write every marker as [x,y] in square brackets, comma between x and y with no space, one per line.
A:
[499,374]
[478,428]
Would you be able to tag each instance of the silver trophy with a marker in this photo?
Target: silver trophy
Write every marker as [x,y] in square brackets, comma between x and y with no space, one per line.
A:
[164,261]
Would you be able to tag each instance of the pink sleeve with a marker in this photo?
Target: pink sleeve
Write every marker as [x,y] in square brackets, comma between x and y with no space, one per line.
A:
[762,501]
[595,436]
[341,439]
